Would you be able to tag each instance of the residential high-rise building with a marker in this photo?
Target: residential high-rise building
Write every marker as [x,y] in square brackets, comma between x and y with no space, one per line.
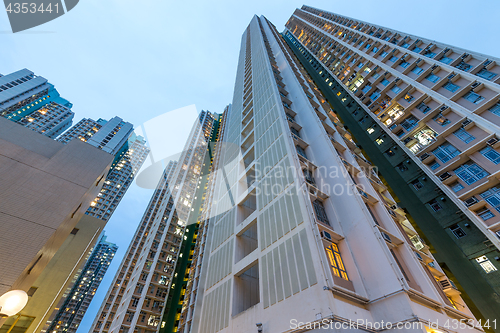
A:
[137,296]
[46,188]
[33,102]
[77,299]
[300,234]
[428,115]
[117,138]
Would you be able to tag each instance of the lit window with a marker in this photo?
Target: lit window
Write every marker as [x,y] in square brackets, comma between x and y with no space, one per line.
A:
[441,120]
[370,130]
[379,141]
[486,264]
[336,262]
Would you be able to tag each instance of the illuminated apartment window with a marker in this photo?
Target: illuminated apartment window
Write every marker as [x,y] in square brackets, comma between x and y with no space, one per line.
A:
[445,152]
[491,154]
[336,262]
[473,97]
[463,135]
[379,141]
[441,120]
[486,264]
[470,172]
[370,130]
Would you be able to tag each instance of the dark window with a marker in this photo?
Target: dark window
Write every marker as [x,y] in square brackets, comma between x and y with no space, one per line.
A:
[435,205]
[402,167]
[417,184]
[457,231]
[74,231]
[320,212]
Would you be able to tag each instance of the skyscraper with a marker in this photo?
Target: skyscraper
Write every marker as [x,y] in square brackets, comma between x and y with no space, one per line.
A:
[300,229]
[428,115]
[45,188]
[137,296]
[77,300]
[117,138]
[33,102]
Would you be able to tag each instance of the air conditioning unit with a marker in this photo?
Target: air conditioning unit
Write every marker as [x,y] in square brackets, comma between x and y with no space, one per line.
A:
[386,237]
[434,67]
[475,85]
[392,213]
[487,62]
[464,56]
[451,76]
[466,122]
[418,61]
[446,50]
[419,256]
[491,141]
[443,108]
[424,156]
[469,202]
[326,235]
[444,176]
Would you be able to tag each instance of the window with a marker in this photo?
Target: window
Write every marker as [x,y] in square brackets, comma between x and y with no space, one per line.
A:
[463,66]
[486,74]
[434,165]
[417,70]
[402,167]
[336,262]
[445,152]
[375,49]
[441,120]
[463,135]
[470,172]
[366,88]
[409,98]
[473,97]
[417,49]
[450,86]
[492,197]
[406,45]
[445,60]
[429,54]
[486,264]
[400,133]
[379,141]
[393,59]
[404,64]
[423,107]
[301,151]
[435,205]
[456,186]
[385,82]
[491,154]
[417,184]
[370,130]
[390,152]
[320,212]
[457,231]
[375,95]
[395,89]
[409,122]
[433,78]
[495,109]
[383,54]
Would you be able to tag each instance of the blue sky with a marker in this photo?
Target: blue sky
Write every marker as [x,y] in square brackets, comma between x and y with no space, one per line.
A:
[141,59]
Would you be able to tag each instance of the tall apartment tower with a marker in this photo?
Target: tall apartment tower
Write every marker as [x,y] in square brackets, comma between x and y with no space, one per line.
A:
[33,102]
[300,228]
[137,296]
[428,115]
[76,301]
[117,138]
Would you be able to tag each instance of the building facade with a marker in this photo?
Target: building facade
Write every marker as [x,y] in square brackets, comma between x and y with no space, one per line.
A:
[301,232]
[33,102]
[137,296]
[76,301]
[46,187]
[428,115]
